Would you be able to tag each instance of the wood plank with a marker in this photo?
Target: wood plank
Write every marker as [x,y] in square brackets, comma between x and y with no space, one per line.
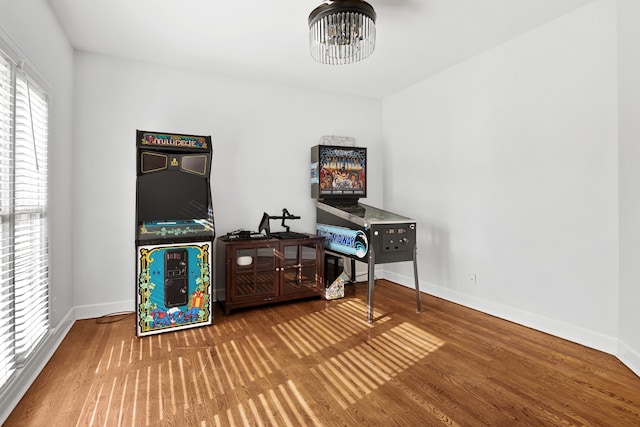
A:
[316,362]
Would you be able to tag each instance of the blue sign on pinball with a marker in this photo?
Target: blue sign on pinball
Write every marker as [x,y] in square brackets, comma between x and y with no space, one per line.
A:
[344,240]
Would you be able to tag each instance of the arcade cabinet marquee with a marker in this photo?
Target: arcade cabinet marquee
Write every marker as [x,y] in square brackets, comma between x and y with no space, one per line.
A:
[174,232]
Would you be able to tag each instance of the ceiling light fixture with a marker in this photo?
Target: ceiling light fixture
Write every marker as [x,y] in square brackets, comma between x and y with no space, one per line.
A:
[342,31]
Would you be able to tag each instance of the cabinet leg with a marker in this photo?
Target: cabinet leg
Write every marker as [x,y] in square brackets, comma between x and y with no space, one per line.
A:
[353,270]
[415,276]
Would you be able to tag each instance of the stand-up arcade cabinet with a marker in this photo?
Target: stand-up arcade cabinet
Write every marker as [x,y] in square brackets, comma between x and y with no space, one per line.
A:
[355,230]
[174,232]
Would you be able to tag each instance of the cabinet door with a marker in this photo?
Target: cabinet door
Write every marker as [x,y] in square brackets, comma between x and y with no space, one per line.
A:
[300,272]
[253,272]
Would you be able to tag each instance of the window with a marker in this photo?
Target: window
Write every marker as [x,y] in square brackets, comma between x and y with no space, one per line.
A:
[24,246]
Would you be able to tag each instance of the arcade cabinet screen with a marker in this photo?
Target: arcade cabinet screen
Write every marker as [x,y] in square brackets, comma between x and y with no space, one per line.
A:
[342,171]
[172,196]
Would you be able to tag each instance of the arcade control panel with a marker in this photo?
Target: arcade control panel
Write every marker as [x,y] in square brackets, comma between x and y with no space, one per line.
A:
[176,280]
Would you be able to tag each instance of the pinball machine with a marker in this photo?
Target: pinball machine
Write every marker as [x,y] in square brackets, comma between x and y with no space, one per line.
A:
[174,232]
[352,229]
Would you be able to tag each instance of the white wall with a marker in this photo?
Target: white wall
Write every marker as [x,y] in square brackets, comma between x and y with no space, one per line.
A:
[629,105]
[508,161]
[262,136]
[33,27]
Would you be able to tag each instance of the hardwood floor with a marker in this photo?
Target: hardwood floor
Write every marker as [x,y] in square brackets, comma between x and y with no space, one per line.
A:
[317,362]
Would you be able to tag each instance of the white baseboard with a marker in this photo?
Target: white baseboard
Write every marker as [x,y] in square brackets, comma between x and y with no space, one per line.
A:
[629,357]
[98,310]
[13,392]
[601,342]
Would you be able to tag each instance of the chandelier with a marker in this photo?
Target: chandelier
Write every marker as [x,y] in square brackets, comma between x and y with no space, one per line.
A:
[342,31]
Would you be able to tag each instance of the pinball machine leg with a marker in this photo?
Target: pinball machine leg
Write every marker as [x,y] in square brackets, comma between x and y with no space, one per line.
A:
[353,270]
[370,284]
[415,276]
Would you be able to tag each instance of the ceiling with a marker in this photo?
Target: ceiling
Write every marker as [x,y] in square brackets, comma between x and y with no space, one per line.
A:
[268,40]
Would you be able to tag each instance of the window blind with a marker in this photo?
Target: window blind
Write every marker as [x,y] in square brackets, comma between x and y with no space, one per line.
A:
[24,283]
[7,349]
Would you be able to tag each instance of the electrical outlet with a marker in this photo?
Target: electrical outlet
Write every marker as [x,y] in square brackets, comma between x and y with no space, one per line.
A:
[474,278]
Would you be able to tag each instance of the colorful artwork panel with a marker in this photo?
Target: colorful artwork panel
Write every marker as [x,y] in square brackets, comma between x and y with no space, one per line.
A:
[174,287]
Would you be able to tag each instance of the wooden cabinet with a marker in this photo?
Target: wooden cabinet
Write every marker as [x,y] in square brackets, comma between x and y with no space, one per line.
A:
[255,272]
